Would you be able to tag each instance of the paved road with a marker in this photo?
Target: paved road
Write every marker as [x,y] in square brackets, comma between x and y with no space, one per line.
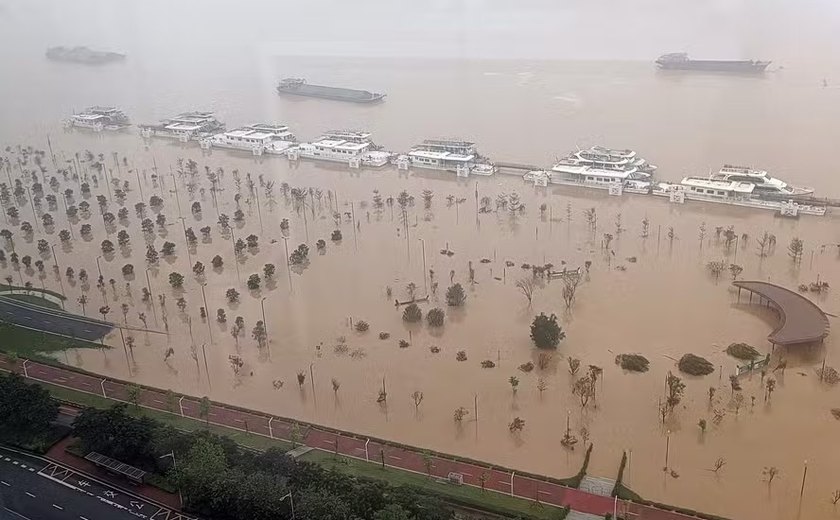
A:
[35,488]
[409,459]
[52,320]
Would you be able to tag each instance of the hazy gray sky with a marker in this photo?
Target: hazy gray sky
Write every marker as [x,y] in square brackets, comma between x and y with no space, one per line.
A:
[530,29]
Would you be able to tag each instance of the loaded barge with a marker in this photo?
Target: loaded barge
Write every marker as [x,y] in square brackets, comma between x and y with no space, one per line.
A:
[299,87]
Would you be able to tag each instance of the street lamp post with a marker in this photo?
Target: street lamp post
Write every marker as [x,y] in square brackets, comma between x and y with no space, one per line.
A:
[186,241]
[235,255]
[34,215]
[128,364]
[265,326]
[177,198]
[288,265]
[425,272]
[58,270]
[207,310]
[175,467]
[291,501]
[667,448]
[151,296]
[206,369]
[804,474]
[98,267]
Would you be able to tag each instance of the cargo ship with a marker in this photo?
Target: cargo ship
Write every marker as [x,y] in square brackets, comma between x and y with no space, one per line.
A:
[83,55]
[681,61]
[299,87]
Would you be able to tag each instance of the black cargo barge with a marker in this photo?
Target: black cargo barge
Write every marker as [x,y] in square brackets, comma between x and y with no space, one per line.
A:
[299,87]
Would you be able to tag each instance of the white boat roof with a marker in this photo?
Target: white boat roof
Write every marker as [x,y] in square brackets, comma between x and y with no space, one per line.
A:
[180,125]
[268,127]
[254,133]
[191,117]
[582,170]
[441,156]
[346,135]
[89,117]
[338,144]
[742,170]
[102,110]
[733,186]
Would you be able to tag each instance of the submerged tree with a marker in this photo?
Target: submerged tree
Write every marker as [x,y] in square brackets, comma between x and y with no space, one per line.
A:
[546,332]
[455,295]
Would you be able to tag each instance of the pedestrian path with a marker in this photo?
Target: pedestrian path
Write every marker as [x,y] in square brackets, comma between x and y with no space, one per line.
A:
[597,485]
[415,460]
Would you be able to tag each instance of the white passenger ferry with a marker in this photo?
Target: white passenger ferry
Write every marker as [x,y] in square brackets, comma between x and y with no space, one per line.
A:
[765,185]
[98,119]
[257,138]
[732,192]
[351,147]
[611,159]
[185,127]
[457,156]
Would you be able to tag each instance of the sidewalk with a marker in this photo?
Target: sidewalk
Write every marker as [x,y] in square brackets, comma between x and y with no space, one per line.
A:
[58,454]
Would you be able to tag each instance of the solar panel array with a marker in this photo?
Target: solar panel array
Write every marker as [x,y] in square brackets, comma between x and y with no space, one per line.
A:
[116,466]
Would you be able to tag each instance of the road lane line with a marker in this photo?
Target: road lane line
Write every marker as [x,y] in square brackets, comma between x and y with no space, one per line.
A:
[30,494]
[58,507]
[5,483]
[82,518]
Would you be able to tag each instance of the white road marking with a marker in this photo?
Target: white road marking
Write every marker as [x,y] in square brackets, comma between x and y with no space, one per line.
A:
[158,401]
[7,459]
[82,518]
[86,384]
[31,469]
[5,483]
[30,494]
[27,318]
[394,457]
[86,330]
[543,492]
[505,482]
[15,462]
[58,507]
[23,466]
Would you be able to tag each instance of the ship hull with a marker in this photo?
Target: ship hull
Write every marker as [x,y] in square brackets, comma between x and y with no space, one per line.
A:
[737,67]
[333,93]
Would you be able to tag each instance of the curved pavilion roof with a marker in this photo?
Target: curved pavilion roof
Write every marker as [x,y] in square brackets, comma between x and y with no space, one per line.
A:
[802,321]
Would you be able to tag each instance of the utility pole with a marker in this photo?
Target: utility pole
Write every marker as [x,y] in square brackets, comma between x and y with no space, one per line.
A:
[235,255]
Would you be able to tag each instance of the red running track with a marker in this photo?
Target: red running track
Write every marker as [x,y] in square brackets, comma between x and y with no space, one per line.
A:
[408,459]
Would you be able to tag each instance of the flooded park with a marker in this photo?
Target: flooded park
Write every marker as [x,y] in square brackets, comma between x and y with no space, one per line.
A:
[645,288]
[326,294]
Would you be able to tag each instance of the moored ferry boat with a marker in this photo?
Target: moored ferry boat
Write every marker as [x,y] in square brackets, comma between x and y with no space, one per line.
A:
[576,174]
[185,127]
[98,118]
[352,147]
[457,156]
[765,185]
[257,138]
[611,159]
[732,192]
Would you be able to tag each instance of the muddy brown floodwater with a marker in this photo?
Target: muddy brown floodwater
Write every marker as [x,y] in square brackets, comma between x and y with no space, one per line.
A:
[662,306]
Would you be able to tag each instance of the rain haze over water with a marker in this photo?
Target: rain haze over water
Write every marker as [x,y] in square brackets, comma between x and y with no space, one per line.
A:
[528,82]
